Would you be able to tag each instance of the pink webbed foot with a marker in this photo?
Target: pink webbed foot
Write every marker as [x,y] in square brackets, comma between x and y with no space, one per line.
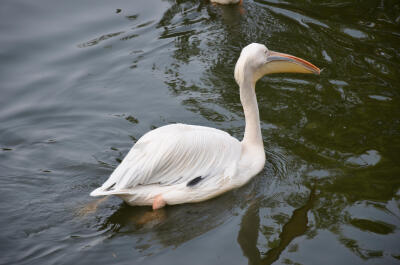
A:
[158,202]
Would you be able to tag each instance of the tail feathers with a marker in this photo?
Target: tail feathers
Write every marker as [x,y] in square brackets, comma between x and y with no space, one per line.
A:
[104,190]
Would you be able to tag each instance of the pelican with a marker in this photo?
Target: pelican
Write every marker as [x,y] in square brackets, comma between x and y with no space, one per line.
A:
[181,163]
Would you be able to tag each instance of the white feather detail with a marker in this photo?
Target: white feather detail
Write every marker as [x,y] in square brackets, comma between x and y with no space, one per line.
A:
[174,155]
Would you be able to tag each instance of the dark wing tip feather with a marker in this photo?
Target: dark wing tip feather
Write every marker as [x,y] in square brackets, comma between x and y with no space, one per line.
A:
[109,188]
[194,181]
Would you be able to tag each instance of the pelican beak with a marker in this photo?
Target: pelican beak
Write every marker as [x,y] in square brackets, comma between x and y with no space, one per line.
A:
[285,63]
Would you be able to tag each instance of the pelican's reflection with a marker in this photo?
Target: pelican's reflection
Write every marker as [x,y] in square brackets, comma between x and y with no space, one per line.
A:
[248,234]
[174,225]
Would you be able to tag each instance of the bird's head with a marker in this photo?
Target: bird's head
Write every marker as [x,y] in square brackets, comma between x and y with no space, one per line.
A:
[256,60]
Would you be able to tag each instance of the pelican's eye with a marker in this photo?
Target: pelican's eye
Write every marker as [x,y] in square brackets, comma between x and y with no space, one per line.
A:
[266,54]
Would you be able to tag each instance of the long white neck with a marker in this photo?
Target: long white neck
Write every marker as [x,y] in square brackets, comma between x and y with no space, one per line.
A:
[252,133]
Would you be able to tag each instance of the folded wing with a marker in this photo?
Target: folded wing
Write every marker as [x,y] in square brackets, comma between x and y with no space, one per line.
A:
[175,154]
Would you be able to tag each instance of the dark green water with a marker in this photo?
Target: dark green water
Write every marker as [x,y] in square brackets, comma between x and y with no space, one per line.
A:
[80,82]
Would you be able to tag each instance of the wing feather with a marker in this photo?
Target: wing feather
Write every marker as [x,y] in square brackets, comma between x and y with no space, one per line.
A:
[174,154]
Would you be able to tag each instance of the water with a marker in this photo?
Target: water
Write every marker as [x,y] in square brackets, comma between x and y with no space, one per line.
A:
[81,82]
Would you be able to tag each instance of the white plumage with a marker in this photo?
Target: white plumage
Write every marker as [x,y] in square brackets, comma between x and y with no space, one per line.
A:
[181,163]
[172,156]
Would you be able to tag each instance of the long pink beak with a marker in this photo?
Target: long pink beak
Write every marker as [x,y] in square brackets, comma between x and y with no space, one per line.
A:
[285,63]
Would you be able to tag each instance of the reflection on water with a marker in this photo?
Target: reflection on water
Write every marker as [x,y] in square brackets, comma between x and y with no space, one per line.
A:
[175,225]
[81,83]
[295,227]
[91,207]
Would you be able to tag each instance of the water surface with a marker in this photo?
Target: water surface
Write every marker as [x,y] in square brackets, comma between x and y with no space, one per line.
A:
[81,82]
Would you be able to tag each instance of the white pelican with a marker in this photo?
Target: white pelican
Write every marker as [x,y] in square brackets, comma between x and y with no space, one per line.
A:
[181,163]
